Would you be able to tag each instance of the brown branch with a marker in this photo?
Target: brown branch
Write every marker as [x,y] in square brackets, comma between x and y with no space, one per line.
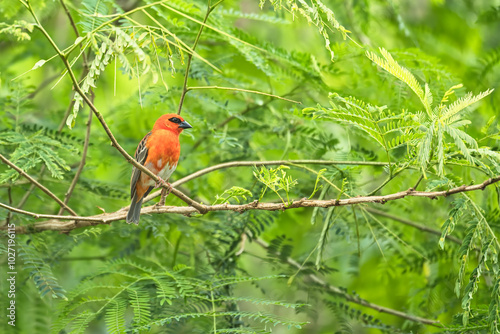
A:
[106,218]
[413,224]
[36,183]
[354,299]
[264,163]
[82,163]
[89,122]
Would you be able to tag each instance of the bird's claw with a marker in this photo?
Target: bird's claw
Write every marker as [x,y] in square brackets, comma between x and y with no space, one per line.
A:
[164,194]
[161,182]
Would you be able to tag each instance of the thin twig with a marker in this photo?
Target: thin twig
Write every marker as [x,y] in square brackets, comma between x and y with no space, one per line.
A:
[81,165]
[243,90]
[190,58]
[411,223]
[178,43]
[418,181]
[70,18]
[355,299]
[36,183]
[89,122]
[40,87]
[389,179]
[106,218]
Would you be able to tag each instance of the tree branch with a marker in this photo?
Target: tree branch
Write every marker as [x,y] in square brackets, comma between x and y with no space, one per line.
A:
[106,218]
[354,299]
[36,183]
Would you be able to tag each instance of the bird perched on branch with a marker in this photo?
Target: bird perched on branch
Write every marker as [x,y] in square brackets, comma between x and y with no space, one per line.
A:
[159,152]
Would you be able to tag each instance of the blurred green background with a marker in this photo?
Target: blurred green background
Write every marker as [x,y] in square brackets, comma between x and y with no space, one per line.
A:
[122,278]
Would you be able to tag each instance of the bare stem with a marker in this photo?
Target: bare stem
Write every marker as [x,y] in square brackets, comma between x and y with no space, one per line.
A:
[418,181]
[389,179]
[190,57]
[82,163]
[36,183]
[70,18]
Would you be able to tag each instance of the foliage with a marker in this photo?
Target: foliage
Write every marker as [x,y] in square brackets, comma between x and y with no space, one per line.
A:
[395,97]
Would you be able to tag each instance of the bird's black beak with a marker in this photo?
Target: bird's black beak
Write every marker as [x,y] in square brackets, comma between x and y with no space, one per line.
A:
[184,125]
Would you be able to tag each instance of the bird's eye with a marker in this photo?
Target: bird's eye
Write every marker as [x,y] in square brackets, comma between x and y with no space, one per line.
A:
[175,120]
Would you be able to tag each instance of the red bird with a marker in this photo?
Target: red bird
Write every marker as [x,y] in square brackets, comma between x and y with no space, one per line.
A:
[159,152]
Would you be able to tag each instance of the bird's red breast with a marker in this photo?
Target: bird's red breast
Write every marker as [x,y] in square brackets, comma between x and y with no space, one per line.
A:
[163,154]
[159,152]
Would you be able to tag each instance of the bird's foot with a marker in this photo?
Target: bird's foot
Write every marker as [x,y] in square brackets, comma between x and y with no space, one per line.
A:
[161,182]
[164,194]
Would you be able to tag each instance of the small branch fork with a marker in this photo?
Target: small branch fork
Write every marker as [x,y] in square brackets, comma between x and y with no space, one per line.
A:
[55,223]
[36,183]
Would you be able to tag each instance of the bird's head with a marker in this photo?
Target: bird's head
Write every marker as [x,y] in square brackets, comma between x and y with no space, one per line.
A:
[172,122]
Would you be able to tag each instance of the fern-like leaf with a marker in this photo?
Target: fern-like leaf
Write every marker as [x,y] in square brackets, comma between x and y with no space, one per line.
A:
[139,300]
[115,317]
[40,271]
[462,103]
[403,74]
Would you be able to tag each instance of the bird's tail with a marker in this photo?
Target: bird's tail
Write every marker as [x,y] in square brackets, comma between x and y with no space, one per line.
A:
[134,213]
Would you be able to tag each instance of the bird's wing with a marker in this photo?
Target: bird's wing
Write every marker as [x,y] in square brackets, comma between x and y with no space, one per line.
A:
[141,155]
